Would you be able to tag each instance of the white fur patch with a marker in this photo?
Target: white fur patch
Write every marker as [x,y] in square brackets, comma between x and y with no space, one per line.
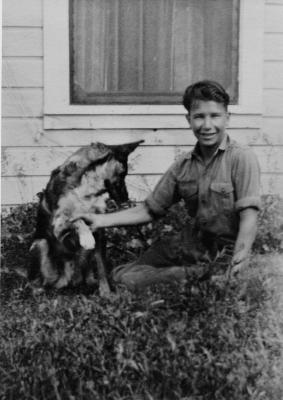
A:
[87,241]
[86,238]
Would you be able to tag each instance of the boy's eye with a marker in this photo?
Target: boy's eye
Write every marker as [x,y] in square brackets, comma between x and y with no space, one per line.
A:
[200,116]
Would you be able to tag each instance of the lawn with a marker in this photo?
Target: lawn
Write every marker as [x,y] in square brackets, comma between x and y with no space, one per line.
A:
[197,341]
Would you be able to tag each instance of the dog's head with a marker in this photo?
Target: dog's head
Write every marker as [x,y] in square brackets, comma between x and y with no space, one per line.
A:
[103,178]
[115,178]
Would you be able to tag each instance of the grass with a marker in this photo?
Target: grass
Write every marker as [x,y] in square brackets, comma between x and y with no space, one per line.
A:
[201,341]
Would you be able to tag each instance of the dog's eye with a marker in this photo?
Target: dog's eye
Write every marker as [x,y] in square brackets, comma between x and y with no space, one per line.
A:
[100,192]
[107,184]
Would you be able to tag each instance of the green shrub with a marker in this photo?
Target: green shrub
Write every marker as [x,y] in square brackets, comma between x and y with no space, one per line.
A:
[17,228]
[270,225]
[200,341]
[124,244]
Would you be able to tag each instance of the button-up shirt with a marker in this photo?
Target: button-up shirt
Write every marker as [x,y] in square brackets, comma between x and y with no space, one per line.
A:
[215,193]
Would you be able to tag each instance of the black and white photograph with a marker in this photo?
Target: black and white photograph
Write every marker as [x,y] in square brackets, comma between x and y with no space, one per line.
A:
[141,200]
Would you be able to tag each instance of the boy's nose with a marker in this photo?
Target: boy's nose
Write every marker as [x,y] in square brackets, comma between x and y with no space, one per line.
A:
[207,123]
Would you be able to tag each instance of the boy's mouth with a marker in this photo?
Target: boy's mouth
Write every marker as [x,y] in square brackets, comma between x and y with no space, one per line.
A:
[207,135]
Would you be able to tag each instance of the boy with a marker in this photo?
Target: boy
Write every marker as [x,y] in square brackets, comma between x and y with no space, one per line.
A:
[219,182]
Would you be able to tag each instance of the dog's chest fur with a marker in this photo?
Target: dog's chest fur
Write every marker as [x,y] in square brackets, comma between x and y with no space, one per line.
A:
[88,197]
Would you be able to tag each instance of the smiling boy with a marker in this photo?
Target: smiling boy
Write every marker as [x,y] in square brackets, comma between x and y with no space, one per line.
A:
[219,183]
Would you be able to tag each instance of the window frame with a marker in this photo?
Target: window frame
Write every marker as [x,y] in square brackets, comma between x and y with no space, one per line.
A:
[57,70]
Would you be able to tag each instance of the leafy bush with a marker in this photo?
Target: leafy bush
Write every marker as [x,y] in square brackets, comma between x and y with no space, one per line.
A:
[270,225]
[124,244]
[198,341]
[17,228]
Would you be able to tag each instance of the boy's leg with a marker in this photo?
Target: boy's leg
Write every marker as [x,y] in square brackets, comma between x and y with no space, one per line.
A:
[161,263]
[174,259]
[138,276]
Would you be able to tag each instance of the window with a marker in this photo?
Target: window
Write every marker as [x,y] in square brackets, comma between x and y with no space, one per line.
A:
[147,52]
[244,82]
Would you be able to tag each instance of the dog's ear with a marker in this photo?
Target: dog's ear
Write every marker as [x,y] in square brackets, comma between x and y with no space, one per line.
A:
[84,158]
[126,148]
[87,155]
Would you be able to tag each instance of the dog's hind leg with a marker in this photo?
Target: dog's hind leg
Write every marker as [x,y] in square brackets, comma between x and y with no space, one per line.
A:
[40,248]
[65,279]
[104,289]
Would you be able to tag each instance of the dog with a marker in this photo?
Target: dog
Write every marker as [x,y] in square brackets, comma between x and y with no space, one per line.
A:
[65,252]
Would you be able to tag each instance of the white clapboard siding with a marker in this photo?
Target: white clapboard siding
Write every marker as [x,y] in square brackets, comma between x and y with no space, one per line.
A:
[273,74]
[22,72]
[17,190]
[272,130]
[145,159]
[273,102]
[22,102]
[22,13]
[273,82]
[274,2]
[30,133]
[40,161]
[273,18]
[21,131]
[20,42]
[273,46]
[137,121]
[34,144]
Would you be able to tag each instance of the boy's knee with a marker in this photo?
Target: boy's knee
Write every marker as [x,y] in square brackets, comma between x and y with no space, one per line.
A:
[120,272]
[121,276]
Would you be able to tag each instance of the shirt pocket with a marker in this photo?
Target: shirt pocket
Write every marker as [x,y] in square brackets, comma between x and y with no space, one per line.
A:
[222,195]
[188,191]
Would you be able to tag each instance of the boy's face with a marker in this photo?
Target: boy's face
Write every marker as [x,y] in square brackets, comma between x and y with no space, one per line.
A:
[208,120]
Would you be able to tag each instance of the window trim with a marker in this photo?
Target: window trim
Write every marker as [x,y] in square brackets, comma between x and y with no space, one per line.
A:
[57,74]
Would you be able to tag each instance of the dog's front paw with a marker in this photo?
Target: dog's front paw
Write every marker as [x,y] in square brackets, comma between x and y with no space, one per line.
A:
[87,240]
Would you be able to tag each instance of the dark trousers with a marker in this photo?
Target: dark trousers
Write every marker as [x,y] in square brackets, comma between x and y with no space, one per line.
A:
[174,258]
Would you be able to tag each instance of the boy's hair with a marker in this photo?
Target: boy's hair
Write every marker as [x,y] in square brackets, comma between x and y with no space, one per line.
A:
[207,91]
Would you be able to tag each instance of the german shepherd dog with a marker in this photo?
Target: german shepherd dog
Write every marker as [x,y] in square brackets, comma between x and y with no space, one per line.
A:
[65,252]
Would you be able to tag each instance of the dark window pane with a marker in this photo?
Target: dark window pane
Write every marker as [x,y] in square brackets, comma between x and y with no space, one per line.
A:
[144,51]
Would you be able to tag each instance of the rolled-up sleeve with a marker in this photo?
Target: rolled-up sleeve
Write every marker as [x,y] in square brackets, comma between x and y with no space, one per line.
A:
[246,176]
[165,193]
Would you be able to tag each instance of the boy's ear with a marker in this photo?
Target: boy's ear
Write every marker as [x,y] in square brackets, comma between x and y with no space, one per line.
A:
[228,118]
[188,118]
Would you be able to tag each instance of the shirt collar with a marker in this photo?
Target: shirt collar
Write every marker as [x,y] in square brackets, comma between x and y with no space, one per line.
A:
[223,146]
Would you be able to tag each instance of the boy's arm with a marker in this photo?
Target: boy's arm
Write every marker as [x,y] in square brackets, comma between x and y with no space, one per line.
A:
[245,239]
[131,216]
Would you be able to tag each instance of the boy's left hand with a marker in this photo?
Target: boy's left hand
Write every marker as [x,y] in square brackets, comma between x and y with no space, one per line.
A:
[239,261]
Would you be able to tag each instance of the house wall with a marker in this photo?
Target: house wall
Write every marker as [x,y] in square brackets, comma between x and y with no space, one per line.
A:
[30,152]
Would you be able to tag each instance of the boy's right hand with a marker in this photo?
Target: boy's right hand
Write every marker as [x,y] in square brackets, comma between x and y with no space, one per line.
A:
[92,220]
